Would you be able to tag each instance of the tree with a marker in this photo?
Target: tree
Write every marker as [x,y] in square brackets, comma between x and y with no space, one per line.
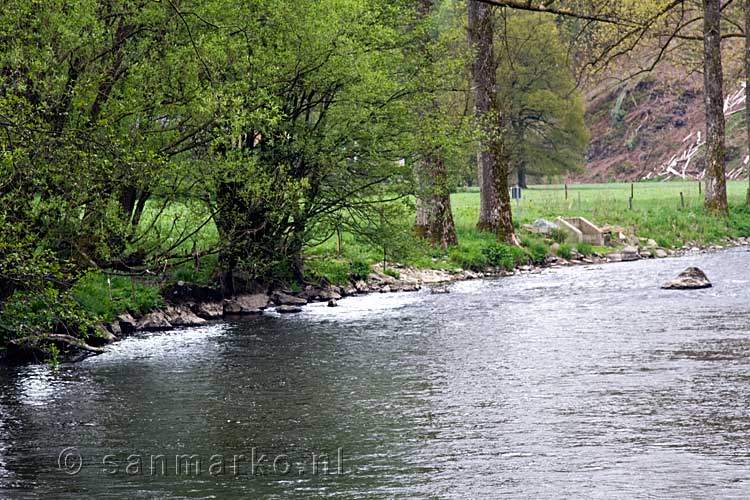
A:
[495,212]
[632,22]
[317,131]
[434,217]
[716,189]
[537,91]
[746,64]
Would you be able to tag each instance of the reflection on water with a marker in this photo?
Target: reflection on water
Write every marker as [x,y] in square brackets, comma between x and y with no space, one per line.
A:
[576,383]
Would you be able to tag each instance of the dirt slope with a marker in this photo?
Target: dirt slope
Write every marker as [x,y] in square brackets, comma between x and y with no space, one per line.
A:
[640,129]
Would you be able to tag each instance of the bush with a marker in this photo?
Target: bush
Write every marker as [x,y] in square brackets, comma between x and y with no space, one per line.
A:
[392,273]
[585,249]
[505,256]
[469,258]
[558,235]
[359,269]
[32,315]
[565,251]
[520,257]
[536,250]
[499,255]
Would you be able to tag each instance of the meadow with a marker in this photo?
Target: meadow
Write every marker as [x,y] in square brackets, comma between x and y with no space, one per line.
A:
[671,213]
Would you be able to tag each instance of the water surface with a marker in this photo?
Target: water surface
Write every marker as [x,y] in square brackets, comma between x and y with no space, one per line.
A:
[585,382]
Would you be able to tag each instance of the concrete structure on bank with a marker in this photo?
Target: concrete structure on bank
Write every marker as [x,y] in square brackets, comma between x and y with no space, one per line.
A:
[581,230]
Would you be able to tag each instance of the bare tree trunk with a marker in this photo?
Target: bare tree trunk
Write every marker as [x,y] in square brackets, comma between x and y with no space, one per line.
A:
[747,90]
[495,212]
[716,180]
[434,216]
[434,220]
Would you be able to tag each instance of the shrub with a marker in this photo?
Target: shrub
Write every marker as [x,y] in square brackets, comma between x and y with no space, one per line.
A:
[584,249]
[505,256]
[536,250]
[359,269]
[469,258]
[565,251]
[392,273]
[520,257]
[499,255]
[558,235]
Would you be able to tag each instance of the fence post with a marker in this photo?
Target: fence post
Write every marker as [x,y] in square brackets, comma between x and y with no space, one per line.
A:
[682,199]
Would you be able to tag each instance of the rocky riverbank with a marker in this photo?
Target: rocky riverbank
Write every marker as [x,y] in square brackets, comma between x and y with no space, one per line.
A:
[194,305]
[190,305]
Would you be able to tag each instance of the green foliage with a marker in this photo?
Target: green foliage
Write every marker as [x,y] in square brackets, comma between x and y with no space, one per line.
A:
[471,258]
[93,294]
[392,273]
[505,256]
[37,313]
[359,270]
[584,249]
[558,235]
[565,251]
[537,92]
[537,250]
[331,270]
[203,275]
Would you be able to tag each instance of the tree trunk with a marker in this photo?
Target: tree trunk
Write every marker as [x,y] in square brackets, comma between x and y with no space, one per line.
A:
[747,90]
[500,158]
[434,219]
[484,79]
[495,213]
[522,173]
[716,181]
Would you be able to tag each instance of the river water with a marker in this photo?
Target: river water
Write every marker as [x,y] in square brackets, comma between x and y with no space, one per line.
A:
[586,382]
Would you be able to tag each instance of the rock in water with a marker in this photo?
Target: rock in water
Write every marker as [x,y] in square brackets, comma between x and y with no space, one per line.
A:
[183,316]
[289,309]
[284,299]
[246,304]
[155,320]
[691,278]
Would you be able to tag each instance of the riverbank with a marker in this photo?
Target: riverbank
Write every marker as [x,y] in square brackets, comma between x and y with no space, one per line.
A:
[657,226]
[188,305]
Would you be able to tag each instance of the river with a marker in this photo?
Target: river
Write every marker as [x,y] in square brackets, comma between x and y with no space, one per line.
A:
[585,382]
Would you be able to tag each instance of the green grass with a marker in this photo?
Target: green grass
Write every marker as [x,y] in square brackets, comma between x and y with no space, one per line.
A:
[657,213]
[106,301]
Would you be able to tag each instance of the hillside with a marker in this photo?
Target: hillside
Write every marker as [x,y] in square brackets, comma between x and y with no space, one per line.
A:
[654,128]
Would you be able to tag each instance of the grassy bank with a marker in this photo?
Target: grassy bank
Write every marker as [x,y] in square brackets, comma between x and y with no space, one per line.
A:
[657,212]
